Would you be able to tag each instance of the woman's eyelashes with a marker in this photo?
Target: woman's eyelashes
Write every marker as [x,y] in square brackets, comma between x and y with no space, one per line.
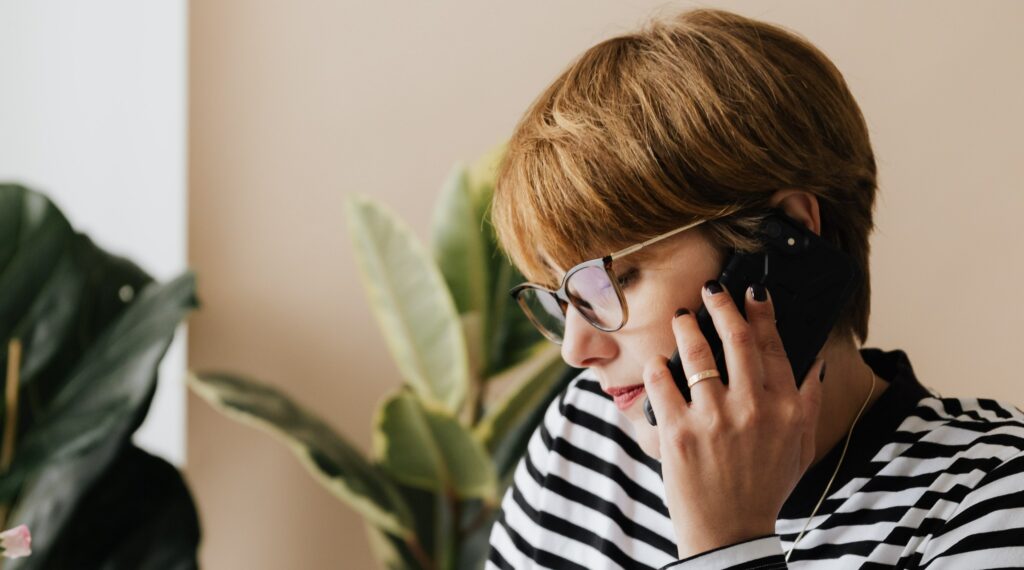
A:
[628,277]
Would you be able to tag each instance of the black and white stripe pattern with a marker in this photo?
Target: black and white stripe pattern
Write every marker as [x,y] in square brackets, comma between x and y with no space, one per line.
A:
[928,482]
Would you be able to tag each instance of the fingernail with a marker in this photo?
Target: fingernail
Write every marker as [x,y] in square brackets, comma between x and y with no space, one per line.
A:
[713,287]
[759,292]
[682,312]
[821,375]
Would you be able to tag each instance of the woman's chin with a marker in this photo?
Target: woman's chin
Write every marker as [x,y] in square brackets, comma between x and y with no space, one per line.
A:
[644,433]
[647,437]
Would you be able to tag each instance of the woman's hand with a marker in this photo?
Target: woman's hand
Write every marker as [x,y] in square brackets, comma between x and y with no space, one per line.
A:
[732,456]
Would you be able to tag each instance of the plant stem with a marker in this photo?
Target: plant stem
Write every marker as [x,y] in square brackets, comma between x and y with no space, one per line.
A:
[413,542]
[11,417]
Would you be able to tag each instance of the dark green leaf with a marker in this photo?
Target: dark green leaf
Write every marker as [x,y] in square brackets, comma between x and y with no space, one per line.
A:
[115,377]
[35,236]
[138,515]
[459,243]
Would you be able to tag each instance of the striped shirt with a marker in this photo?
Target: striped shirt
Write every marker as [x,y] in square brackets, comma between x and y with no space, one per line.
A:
[927,482]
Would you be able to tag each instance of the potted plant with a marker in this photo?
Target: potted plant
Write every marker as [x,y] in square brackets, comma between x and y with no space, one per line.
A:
[82,333]
[476,379]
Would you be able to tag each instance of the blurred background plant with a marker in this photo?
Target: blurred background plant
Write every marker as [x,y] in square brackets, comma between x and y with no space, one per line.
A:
[83,334]
[477,377]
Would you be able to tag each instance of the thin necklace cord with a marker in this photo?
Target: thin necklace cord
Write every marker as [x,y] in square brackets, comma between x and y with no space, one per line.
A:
[836,472]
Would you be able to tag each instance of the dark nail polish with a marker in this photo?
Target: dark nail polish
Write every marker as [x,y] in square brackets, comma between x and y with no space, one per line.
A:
[682,312]
[759,292]
[713,287]
[821,375]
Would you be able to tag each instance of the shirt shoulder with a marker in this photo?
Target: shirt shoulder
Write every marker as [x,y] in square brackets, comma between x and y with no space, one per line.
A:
[975,504]
[965,427]
[583,495]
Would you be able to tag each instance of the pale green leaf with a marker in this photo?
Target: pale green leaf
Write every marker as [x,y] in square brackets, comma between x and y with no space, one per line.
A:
[412,304]
[427,448]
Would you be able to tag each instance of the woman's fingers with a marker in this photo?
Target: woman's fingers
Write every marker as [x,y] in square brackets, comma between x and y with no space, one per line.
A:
[696,356]
[666,399]
[778,372]
[738,340]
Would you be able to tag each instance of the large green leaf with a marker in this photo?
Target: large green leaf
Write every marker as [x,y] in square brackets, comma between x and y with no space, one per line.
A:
[459,243]
[58,294]
[51,323]
[114,378]
[34,235]
[334,462]
[412,304]
[427,448]
[138,514]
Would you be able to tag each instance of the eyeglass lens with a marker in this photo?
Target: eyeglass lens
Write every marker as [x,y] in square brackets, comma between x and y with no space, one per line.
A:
[590,291]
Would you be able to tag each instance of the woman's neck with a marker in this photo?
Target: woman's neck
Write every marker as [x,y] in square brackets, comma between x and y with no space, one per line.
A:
[847,383]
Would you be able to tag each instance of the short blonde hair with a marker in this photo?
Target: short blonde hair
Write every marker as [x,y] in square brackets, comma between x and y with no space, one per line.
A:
[705,111]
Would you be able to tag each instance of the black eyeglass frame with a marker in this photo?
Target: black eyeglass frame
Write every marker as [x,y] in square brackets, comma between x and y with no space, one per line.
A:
[563,298]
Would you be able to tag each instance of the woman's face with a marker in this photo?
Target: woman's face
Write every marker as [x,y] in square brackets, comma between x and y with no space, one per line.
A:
[670,277]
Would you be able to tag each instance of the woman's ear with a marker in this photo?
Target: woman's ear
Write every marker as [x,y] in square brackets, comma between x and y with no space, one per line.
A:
[800,205]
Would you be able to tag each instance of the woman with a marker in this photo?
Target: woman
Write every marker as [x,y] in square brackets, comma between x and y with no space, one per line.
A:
[684,133]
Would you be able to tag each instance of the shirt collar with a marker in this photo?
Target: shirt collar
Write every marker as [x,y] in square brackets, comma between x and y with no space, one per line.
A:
[874,429]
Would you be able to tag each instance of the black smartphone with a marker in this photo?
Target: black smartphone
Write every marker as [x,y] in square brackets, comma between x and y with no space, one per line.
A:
[809,281]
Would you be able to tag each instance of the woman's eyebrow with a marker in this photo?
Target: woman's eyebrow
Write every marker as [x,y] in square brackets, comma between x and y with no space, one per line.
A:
[641,256]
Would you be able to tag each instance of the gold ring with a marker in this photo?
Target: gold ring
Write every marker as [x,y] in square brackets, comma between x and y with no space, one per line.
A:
[703,375]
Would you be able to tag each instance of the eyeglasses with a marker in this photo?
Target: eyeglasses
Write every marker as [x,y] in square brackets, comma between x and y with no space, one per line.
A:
[591,286]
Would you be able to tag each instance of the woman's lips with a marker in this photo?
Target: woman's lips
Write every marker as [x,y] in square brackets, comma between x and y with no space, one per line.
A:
[625,396]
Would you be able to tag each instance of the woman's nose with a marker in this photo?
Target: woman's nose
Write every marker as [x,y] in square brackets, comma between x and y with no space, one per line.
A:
[583,345]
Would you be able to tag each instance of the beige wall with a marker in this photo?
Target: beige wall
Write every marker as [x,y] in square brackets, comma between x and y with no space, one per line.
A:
[294,105]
